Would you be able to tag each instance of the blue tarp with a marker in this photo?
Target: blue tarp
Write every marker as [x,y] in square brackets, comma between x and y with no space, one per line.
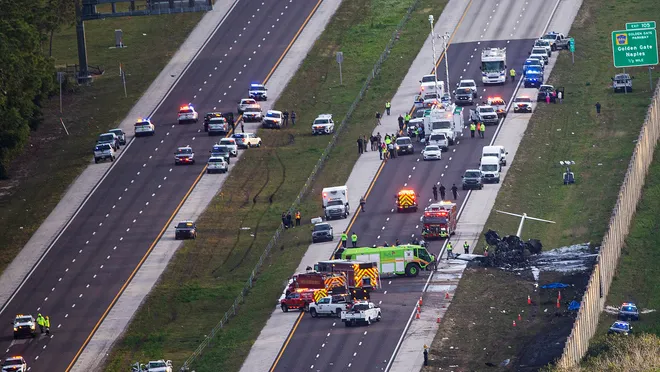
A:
[555,286]
[574,306]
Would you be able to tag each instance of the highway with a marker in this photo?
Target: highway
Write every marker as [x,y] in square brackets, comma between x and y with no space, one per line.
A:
[325,344]
[88,267]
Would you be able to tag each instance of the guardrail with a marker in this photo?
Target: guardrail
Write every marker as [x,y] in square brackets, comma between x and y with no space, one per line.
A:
[310,180]
[593,301]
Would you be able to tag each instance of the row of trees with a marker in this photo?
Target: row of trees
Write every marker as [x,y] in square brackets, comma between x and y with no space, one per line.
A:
[27,73]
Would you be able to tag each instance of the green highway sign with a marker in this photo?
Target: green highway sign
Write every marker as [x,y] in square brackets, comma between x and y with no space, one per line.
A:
[640,25]
[571,45]
[632,48]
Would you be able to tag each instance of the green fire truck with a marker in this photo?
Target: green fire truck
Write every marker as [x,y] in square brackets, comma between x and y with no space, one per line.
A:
[403,259]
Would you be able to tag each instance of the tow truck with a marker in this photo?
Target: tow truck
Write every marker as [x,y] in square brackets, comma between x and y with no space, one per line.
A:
[499,105]
[14,364]
[439,220]
[187,114]
[406,199]
[24,325]
[361,312]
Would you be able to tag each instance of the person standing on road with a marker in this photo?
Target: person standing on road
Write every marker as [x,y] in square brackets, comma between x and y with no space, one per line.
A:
[406,119]
[466,247]
[388,106]
[47,324]
[442,192]
[454,190]
[512,73]
[435,192]
[285,115]
[473,127]
[363,201]
[293,118]
[598,108]
[242,127]
[377,118]
[40,322]
[297,218]
[482,130]
[359,144]
[344,238]
[400,119]
[364,143]
[354,238]
[450,250]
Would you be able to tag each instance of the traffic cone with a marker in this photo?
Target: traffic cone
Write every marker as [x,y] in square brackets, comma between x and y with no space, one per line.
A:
[420,301]
[519,317]
[514,323]
[446,295]
[419,308]
[438,320]
[558,304]
[529,300]
[559,296]
[417,316]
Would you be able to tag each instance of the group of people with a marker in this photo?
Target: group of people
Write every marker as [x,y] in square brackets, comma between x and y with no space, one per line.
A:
[442,189]
[286,116]
[43,323]
[287,219]
[362,144]
[466,249]
[478,127]
[344,239]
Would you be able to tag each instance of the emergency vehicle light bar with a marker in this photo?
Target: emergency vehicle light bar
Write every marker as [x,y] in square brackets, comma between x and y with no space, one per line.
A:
[407,192]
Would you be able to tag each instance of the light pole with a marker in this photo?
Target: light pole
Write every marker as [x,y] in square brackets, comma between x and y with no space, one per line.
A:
[435,60]
[445,38]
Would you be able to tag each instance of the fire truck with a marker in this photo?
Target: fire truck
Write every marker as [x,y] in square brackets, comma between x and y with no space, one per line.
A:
[359,274]
[439,220]
[406,200]
[309,287]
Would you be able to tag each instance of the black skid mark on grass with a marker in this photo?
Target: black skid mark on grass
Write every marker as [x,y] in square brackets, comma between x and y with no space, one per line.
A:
[245,216]
[270,201]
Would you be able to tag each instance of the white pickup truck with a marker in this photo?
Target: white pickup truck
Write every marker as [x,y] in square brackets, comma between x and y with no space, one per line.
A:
[362,312]
[329,306]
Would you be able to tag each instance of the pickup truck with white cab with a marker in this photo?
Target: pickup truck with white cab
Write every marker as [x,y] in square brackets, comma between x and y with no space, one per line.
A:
[485,114]
[329,306]
[362,312]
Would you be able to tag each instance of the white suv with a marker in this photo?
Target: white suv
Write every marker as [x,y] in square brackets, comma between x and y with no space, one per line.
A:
[469,83]
[244,103]
[246,140]
[323,124]
[187,114]
[217,164]
[144,127]
[273,119]
[104,151]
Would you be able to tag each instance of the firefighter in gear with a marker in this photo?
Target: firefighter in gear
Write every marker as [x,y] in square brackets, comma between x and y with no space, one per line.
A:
[482,130]
[344,237]
[388,106]
[47,324]
[450,251]
[298,218]
[466,247]
[435,192]
[41,321]
[354,239]
[512,73]
[473,127]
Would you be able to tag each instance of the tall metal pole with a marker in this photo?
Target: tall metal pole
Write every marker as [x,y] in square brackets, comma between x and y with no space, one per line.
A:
[435,60]
[445,37]
[83,70]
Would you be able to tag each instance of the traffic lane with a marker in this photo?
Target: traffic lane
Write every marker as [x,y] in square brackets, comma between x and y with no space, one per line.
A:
[315,337]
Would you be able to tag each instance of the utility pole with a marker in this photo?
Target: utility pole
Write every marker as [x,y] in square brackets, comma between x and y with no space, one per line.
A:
[445,37]
[83,69]
[523,217]
[435,60]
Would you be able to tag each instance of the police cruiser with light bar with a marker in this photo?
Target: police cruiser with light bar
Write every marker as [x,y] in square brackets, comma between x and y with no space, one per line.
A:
[144,127]
[187,114]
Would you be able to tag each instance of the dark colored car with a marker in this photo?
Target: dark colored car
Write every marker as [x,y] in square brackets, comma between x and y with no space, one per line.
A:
[463,96]
[472,179]
[322,232]
[621,328]
[628,311]
[404,145]
[207,118]
[185,230]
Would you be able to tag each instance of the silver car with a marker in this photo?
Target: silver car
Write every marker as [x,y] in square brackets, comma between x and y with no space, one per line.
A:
[217,164]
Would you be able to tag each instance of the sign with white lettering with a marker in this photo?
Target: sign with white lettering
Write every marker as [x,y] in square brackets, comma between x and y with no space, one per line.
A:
[633,48]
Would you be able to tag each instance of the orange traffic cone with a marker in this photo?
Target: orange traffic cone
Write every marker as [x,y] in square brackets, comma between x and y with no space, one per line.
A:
[519,317]
[446,295]
[417,316]
[420,301]
[514,323]
[419,308]
[558,304]
[438,320]
[559,296]
[529,300]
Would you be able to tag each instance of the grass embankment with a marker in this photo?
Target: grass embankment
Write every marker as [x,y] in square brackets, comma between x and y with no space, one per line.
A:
[52,160]
[206,275]
[600,145]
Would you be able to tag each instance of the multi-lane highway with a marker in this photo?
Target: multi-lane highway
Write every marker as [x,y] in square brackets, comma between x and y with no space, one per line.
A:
[325,344]
[88,266]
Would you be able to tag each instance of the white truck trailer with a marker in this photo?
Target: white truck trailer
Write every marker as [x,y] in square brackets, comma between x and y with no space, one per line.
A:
[493,65]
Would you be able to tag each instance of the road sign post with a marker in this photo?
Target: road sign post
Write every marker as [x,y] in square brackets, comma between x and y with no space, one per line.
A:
[571,47]
[60,79]
[634,48]
[340,59]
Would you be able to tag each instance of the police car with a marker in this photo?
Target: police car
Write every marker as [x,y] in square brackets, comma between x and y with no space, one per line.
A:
[120,135]
[628,311]
[620,327]
[533,64]
[184,155]
[187,114]
[185,230]
[144,127]
[217,164]
[231,144]
[245,103]
[221,151]
[522,104]
[14,364]
[323,124]
[253,113]
[258,92]
[104,152]
[273,119]
[208,116]
[499,104]
[217,125]
[25,325]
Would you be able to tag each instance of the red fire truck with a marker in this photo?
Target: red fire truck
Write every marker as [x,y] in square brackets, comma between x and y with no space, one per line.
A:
[309,287]
[359,274]
[439,220]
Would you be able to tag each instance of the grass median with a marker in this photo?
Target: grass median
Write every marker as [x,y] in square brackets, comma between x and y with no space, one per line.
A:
[601,147]
[52,159]
[206,275]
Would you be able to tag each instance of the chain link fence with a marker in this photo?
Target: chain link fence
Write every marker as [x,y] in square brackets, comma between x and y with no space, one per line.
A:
[310,180]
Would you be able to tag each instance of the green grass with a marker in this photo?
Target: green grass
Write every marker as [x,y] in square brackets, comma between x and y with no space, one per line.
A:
[206,275]
[601,146]
[52,160]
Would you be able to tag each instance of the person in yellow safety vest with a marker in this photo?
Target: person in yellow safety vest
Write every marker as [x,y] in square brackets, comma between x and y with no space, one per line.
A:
[388,140]
[473,127]
[512,73]
[388,106]
[443,232]
[482,130]
[40,322]
[450,251]
[354,240]
[47,324]
[344,238]
[298,218]
[466,247]
[406,119]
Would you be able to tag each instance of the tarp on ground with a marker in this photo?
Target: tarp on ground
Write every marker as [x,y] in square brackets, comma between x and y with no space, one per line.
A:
[555,286]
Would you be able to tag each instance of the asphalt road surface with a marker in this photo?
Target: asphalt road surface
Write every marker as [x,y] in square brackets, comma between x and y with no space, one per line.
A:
[325,344]
[103,245]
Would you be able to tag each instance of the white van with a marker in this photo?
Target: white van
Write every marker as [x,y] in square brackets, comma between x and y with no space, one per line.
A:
[335,202]
[497,151]
[490,169]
